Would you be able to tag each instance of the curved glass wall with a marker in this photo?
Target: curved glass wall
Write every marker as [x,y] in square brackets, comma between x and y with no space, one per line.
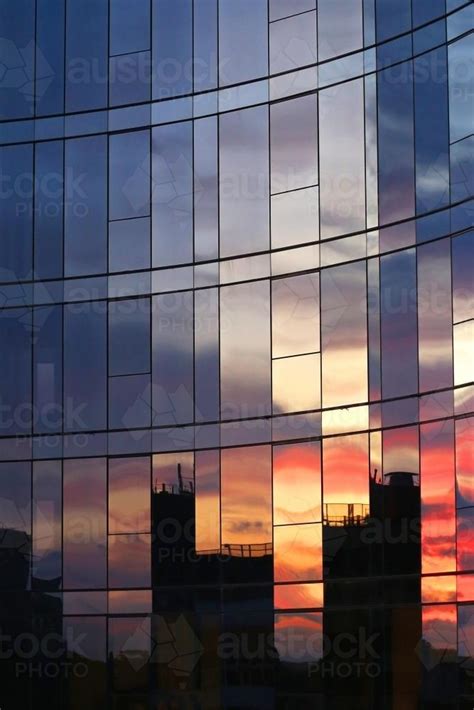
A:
[236,346]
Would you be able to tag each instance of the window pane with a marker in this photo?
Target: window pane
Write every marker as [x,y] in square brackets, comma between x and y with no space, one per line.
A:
[129,494]
[463,277]
[85,524]
[48,369]
[47,516]
[339,489]
[296,384]
[293,43]
[246,496]
[85,238]
[243,40]
[49,195]
[17,20]
[130,401]
[172,194]
[85,369]
[434,316]
[205,44]
[398,320]
[129,175]
[284,8]
[295,315]
[206,355]
[129,244]
[172,48]
[245,350]
[465,462]
[16,164]
[342,159]
[129,561]
[294,143]
[15,369]
[207,501]
[463,334]
[396,152]
[243,180]
[393,18]
[129,336]
[297,483]
[86,54]
[129,26]
[295,217]
[344,335]
[206,204]
[298,553]
[460,88]
[339,27]
[172,358]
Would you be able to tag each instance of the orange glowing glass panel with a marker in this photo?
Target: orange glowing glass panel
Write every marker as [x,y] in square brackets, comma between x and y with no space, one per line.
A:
[463,335]
[346,470]
[465,462]
[297,483]
[130,601]
[438,520]
[298,596]
[246,485]
[298,554]
[439,588]
[299,637]
[207,471]
[465,587]
[465,539]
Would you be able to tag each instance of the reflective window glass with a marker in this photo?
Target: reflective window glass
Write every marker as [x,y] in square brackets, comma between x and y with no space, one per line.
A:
[129,244]
[295,217]
[172,194]
[246,495]
[85,222]
[206,355]
[84,524]
[297,483]
[245,350]
[129,175]
[15,368]
[295,315]
[129,26]
[47,516]
[298,553]
[129,494]
[47,369]
[294,143]
[293,43]
[206,238]
[460,88]
[243,41]
[340,27]
[49,195]
[207,500]
[296,384]
[344,335]
[243,181]
[342,159]
[129,336]
[16,164]
[172,28]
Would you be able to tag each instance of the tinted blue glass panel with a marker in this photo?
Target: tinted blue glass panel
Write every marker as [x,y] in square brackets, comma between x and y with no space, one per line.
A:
[462,169]
[15,494]
[129,337]
[172,198]
[205,44]
[243,41]
[15,370]
[129,175]
[49,88]
[47,369]
[129,244]
[431,131]
[206,343]
[17,23]
[86,54]
[428,37]
[393,18]
[172,48]
[129,79]
[49,184]
[129,26]
[129,401]
[461,87]
[173,358]
[424,11]
[399,324]
[16,193]
[85,367]
[85,206]
[395,134]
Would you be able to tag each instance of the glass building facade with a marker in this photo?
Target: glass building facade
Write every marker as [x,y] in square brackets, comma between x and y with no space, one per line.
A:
[236,347]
